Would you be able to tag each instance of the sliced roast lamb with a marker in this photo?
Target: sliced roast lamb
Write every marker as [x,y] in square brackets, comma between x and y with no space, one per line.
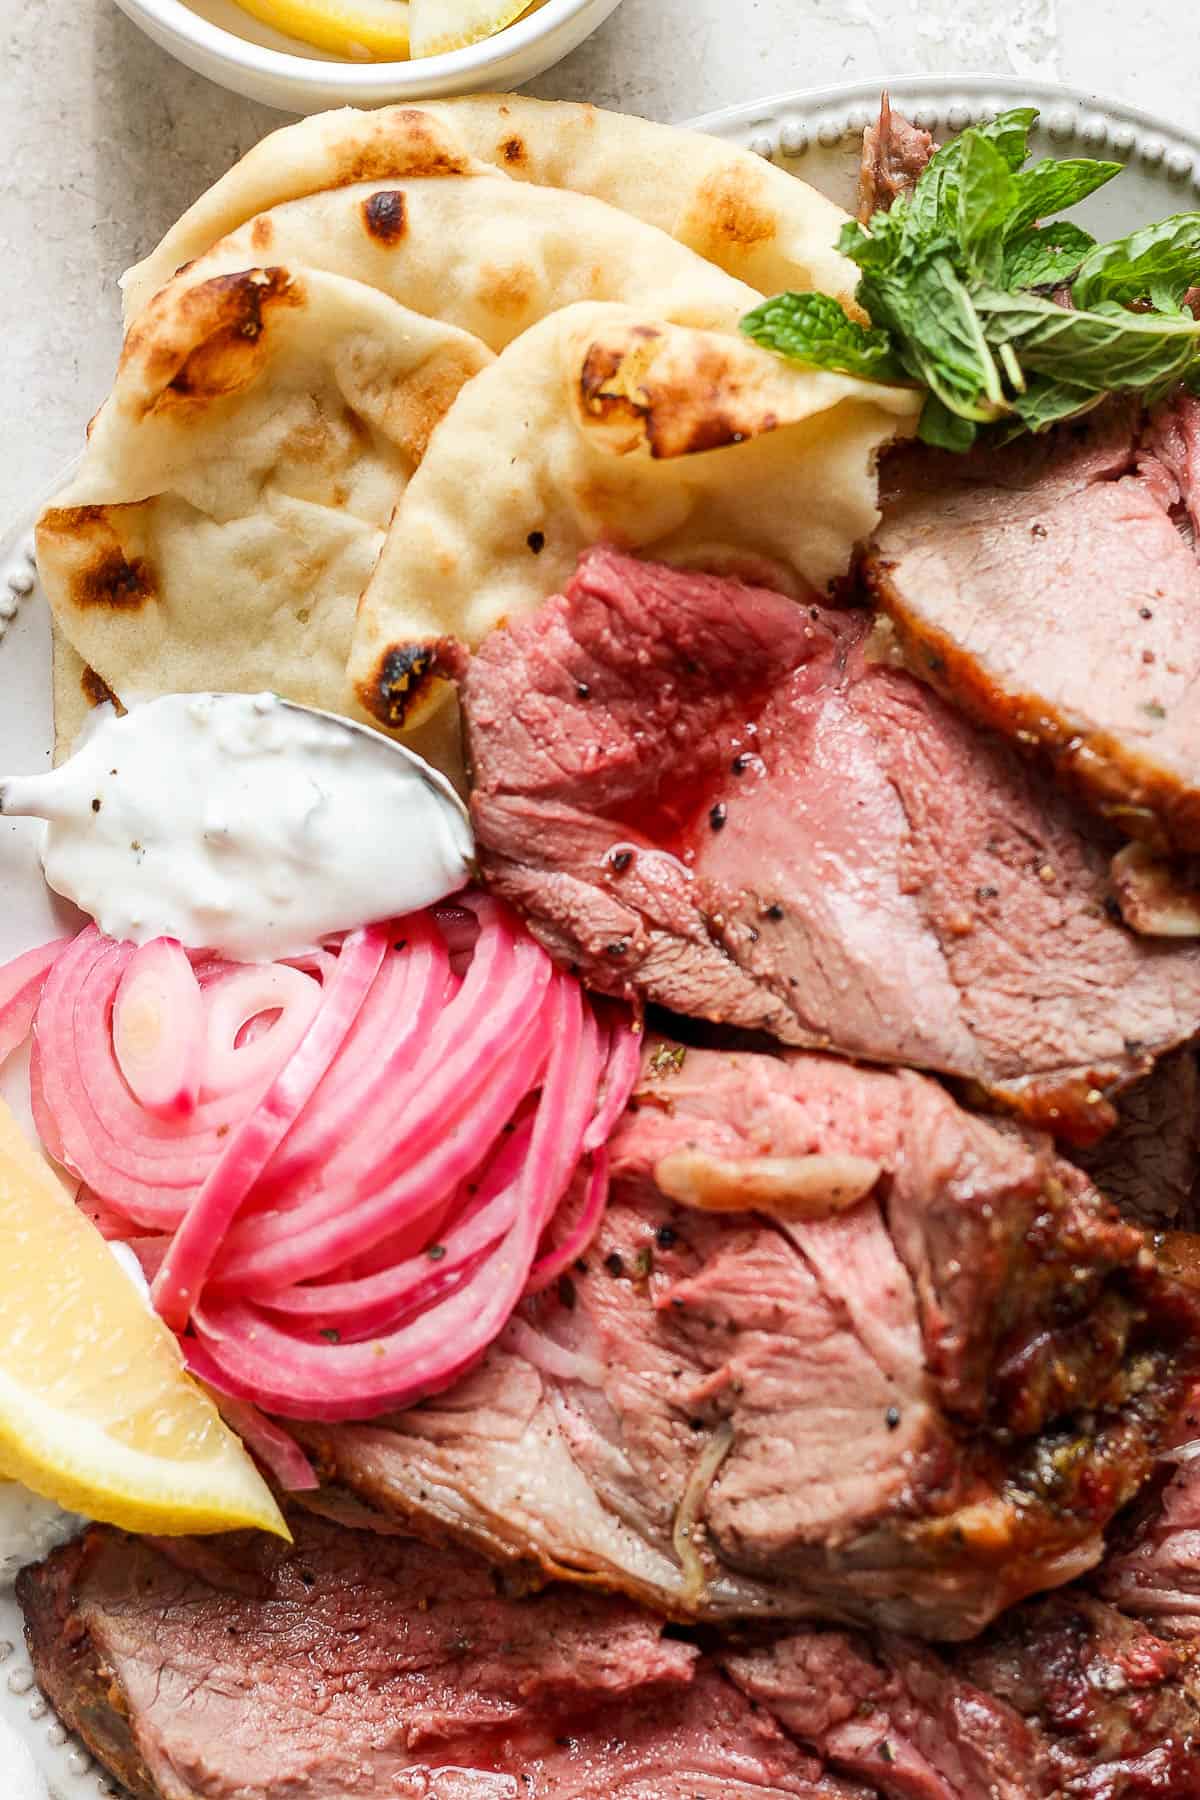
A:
[710,795]
[238,1669]
[1065,1697]
[894,156]
[1149,1164]
[1153,1572]
[910,1412]
[342,1665]
[1052,589]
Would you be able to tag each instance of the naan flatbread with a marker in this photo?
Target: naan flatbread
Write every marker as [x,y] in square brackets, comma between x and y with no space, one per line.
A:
[491,257]
[237,483]
[735,210]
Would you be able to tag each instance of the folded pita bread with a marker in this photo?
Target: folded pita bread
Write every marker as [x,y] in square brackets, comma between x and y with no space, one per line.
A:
[602,425]
[76,689]
[735,210]
[489,256]
[237,484]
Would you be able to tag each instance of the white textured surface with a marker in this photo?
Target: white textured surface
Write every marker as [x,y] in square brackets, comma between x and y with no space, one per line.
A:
[103,139]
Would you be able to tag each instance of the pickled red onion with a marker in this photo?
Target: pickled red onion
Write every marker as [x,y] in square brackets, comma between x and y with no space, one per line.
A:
[371,1176]
[240,999]
[276,1449]
[180,1280]
[21,984]
[158,1028]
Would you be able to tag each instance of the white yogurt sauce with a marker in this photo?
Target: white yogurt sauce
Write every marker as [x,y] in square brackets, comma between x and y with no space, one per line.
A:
[30,1528]
[239,824]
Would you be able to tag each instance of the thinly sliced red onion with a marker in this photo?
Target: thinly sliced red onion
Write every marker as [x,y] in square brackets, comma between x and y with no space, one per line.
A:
[324,1233]
[583,1229]
[389,1034]
[21,984]
[158,1029]
[181,1279]
[439,1124]
[276,1450]
[622,1061]
[374,1303]
[355,1217]
[231,1063]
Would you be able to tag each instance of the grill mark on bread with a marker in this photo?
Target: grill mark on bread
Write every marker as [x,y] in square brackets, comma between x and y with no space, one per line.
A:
[99,571]
[385,216]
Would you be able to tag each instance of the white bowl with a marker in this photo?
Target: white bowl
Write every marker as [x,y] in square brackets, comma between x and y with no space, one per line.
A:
[301,81]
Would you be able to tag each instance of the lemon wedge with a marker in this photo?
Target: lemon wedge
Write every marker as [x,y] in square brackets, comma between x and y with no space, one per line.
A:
[360,30]
[96,1409]
[437,25]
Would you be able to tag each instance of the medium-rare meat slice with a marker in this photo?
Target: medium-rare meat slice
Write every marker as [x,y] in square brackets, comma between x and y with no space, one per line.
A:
[712,796]
[1047,588]
[1065,1697]
[1149,1164]
[912,1413]
[349,1665]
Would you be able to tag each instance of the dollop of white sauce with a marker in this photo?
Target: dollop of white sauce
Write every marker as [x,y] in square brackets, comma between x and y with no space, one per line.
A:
[240,824]
[21,1779]
[30,1528]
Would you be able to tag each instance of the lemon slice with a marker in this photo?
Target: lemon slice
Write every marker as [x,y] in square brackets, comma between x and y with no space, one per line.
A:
[96,1409]
[360,30]
[437,25]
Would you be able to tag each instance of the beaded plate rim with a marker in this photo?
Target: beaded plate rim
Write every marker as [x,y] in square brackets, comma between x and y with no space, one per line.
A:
[810,132]
[785,127]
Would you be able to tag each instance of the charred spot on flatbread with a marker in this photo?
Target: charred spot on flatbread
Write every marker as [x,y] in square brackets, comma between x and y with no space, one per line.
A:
[262,232]
[99,571]
[731,206]
[508,291]
[513,151]
[676,411]
[418,147]
[96,690]
[225,319]
[385,216]
[407,675]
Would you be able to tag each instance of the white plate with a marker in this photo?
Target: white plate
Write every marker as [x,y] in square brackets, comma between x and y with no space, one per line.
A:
[815,135]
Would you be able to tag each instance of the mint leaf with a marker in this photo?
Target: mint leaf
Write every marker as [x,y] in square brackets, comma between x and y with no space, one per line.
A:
[1009,131]
[937,334]
[1098,350]
[943,429]
[814,329]
[1044,256]
[1160,262]
[986,196]
[1049,187]
[1046,402]
[931,210]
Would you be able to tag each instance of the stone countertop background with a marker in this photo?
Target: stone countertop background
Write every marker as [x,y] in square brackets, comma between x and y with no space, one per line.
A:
[104,139]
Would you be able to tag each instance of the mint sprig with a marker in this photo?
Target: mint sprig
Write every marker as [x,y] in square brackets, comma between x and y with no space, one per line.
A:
[1003,312]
